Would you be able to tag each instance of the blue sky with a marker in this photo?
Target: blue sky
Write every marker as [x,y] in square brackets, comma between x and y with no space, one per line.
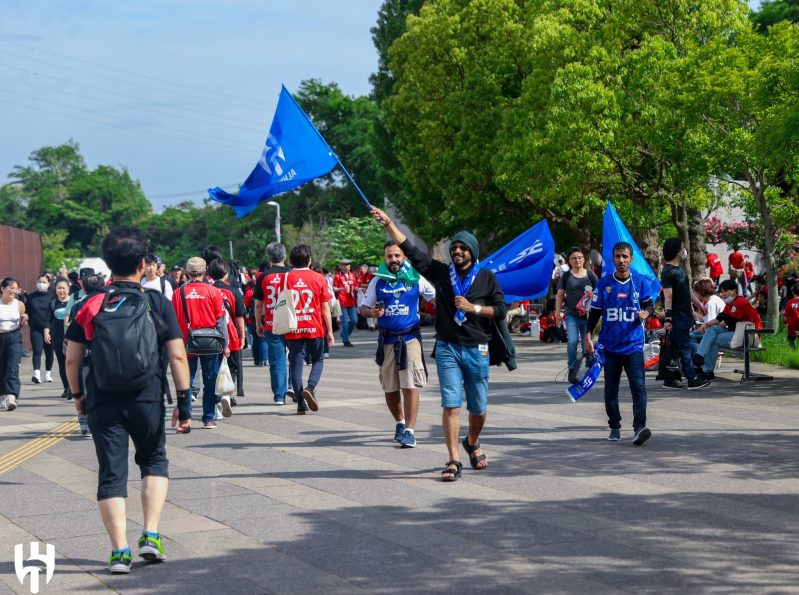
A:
[181,92]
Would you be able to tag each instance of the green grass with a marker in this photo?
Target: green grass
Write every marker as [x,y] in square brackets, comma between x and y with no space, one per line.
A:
[778,352]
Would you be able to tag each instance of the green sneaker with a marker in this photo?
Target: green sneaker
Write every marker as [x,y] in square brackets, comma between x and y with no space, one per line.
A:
[150,548]
[120,562]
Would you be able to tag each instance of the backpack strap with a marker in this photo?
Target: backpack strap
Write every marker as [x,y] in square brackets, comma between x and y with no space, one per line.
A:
[182,292]
[163,285]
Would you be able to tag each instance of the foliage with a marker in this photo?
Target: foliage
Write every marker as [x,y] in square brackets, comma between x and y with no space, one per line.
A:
[749,234]
[12,206]
[772,12]
[56,255]
[357,238]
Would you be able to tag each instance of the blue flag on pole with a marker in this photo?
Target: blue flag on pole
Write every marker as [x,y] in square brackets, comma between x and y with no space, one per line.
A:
[613,231]
[523,267]
[294,153]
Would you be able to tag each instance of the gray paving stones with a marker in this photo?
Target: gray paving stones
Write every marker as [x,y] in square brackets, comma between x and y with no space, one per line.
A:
[272,502]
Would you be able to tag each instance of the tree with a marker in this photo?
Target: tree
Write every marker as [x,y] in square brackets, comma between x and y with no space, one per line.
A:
[772,12]
[12,206]
[745,93]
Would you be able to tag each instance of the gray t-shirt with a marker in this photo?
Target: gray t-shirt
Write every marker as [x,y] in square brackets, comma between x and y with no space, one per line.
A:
[574,288]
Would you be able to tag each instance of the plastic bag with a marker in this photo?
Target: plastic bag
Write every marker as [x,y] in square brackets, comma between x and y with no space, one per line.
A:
[224,380]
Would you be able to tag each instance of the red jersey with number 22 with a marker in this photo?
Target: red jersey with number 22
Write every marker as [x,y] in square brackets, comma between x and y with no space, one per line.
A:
[310,292]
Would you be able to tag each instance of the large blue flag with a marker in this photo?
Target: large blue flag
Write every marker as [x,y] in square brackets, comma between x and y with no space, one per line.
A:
[295,153]
[523,267]
[613,231]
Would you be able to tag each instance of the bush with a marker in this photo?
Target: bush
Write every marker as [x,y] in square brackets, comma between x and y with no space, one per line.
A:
[778,352]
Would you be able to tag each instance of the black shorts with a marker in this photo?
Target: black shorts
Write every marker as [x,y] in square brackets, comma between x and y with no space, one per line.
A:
[111,424]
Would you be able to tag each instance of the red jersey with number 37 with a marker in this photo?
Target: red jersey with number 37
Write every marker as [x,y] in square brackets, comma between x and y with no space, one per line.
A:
[310,292]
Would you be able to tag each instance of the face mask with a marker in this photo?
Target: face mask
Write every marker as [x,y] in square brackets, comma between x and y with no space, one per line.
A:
[42,287]
[729,299]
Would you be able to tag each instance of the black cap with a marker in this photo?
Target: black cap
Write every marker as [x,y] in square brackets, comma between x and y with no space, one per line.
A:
[83,273]
[177,267]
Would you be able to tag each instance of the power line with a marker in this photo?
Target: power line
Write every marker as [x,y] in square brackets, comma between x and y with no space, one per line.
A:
[122,95]
[234,98]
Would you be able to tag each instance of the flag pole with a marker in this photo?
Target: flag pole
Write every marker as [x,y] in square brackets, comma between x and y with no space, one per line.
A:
[332,153]
[352,181]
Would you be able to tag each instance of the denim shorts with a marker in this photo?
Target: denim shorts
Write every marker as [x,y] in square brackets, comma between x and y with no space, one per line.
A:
[463,369]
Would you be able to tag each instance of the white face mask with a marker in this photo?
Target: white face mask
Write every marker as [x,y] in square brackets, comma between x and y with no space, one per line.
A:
[42,287]
[684,254]
[729,299]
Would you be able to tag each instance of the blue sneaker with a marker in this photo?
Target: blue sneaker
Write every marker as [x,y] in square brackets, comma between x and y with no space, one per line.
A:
[408,439]
[399,432]
[615,435]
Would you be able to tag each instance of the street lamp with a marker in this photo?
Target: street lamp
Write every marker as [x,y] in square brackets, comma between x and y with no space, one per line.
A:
[272,203]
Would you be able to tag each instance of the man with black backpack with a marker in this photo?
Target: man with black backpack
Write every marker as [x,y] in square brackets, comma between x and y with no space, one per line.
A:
[126,326]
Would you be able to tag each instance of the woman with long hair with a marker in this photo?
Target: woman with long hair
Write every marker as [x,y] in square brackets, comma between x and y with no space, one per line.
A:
[54,331]
[12,319]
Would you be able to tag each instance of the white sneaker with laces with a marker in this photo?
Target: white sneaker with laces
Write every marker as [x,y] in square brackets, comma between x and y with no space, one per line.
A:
[48,376]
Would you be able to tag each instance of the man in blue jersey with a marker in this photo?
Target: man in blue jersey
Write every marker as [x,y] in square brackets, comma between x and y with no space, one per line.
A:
[618,302]
[393,298]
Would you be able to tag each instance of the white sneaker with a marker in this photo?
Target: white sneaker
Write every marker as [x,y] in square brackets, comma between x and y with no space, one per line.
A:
[37,377]
[227,410]
[48,376]
[11,403]
[218,414]
[3,402]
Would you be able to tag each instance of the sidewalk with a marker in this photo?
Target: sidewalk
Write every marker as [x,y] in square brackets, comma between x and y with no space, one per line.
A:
[272,502]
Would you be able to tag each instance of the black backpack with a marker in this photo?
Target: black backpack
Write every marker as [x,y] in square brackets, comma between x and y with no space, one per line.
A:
[125,354]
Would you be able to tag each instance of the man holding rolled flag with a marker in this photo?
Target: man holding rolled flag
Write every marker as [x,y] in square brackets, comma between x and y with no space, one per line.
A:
[620,300]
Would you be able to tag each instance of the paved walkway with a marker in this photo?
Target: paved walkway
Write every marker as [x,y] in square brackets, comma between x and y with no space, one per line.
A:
[272,502]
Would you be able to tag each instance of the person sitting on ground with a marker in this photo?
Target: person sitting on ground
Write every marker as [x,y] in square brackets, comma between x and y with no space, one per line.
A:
[718,333]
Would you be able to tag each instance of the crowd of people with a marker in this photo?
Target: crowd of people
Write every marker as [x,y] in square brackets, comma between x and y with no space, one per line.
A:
[115,340]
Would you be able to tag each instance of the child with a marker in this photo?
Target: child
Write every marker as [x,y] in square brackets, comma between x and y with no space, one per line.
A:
[791,315]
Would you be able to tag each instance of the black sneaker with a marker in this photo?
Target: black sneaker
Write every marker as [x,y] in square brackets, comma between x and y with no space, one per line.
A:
[675,384]
[642,436]
[707,375]
[290,395]
[698,382]
[348,344]
[309,397]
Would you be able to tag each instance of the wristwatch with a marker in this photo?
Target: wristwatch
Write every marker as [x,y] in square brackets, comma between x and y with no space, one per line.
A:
[477,309]
[78,395]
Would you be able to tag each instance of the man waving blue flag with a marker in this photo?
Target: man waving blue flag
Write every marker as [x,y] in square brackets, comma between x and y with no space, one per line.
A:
[295,153]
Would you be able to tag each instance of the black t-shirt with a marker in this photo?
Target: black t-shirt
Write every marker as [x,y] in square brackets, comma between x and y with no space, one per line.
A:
[168,329]
[676,279]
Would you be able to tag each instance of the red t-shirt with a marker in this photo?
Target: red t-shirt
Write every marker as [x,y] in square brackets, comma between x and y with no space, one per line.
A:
[792,317]
[741,310]
[204,303]
[346,297]
[270,285]
[248,298]
[736,260]
[713,262]
[310,292]
[749,270]
[364,279]
[229,302]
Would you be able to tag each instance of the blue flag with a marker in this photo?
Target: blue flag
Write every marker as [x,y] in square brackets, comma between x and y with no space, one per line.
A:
[295,153]
[577,391]
[524,266]
[613,231]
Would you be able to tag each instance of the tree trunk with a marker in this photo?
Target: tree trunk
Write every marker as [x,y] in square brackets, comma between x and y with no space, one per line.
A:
[679,217]
[757,188]
[697,254]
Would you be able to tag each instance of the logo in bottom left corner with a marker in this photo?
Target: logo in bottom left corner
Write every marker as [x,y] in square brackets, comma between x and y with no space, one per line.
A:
[34,570]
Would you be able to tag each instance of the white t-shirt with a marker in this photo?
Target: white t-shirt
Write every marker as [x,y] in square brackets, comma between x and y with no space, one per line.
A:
[714,306]
[156,284]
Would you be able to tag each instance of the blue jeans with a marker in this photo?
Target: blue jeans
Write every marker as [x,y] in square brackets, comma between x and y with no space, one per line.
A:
[633,365]
[276,354]
[258,345]
[715,337]
[575,332]
[462,369]
[298,348]
[210,370]
[681,338]
[349,318]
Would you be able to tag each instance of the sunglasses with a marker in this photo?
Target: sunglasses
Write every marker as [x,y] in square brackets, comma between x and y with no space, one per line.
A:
[458,248]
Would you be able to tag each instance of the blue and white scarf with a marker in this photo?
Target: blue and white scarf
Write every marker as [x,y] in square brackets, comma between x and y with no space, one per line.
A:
[462,287]
[577,391]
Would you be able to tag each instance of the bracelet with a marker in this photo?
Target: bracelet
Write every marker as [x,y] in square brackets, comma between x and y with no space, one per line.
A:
[387,223]
[77,395]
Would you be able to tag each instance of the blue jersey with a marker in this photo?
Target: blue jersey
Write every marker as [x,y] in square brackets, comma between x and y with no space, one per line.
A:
[622,330]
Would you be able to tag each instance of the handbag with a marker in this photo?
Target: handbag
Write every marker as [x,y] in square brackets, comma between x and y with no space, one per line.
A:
[669,360]
[737,341]
[335,308]
[224,380]
[284,316]
[201,341]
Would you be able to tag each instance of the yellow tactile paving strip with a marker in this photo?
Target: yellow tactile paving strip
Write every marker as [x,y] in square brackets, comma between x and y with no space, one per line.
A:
[38,445]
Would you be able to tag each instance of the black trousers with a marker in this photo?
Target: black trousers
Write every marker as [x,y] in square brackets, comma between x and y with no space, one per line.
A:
[38,344]
[10,356]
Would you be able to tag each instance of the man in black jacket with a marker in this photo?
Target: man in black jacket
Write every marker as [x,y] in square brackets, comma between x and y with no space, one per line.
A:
[468,298]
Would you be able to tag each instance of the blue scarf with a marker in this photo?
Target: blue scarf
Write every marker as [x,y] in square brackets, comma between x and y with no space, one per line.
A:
[462,287]
[576,391]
